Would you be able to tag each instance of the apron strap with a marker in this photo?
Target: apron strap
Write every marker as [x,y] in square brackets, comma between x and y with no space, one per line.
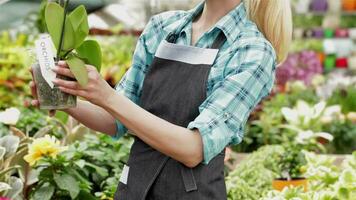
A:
[219,41]
[188,179]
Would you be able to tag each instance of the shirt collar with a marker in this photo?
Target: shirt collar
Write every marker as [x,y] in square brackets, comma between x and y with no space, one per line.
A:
[231,24]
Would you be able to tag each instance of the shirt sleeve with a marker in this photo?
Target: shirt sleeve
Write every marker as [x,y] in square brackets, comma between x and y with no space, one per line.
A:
[224,113]
[132,82]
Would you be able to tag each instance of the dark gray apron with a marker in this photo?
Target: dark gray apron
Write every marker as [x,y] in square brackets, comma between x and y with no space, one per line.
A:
[174,88]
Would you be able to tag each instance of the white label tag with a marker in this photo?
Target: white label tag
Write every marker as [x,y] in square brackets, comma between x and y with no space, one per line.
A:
[45,57]
[124,174]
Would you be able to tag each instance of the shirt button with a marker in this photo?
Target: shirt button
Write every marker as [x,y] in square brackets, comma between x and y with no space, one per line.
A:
[226,115]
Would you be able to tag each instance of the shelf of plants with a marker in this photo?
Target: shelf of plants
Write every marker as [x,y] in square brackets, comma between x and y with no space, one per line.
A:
[291,139]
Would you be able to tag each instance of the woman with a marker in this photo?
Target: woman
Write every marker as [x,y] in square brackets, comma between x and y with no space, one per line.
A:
[195,78]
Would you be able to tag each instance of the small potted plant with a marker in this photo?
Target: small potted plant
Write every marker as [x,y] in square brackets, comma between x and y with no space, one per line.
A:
[68,31]
[292,165]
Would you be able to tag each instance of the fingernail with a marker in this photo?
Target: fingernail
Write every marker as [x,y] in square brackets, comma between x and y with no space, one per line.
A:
[55,81]
[61,63]
[55,69]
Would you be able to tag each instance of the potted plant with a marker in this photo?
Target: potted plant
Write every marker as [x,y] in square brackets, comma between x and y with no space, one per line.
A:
[292,165]
[68,31]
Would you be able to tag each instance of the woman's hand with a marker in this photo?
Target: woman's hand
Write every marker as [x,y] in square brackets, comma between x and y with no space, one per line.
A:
[97,91]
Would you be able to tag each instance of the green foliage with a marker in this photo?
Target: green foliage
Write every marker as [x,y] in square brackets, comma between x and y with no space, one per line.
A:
[345,98]
[253,177]
[344,133]
[292,162]
[77,66]
[87,49]
[54,16]
[89,167]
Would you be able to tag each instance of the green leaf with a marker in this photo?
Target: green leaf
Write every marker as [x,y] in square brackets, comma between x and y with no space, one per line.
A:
[90,51]
[69,39]
[45,192]
[67,183]
[54,16]
[79,19]
[86,195]
[79,70]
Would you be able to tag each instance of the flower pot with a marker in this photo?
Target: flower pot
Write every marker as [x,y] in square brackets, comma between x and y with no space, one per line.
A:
[334,6]
[352,33]
[341,33]
[51,99]
[302,6]
[280,184]
[318,33]
[298,33]
[348,5]
[341,63]
[352,62]
[329,63]
[329,33]
[319,5]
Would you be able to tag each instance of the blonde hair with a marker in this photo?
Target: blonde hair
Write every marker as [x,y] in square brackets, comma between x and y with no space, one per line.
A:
[274,19]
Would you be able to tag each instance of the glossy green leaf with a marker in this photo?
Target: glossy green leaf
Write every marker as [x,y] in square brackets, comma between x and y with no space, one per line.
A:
[69,39]
[79,70]
[90,51]
[68,183]
[45,192]
[79,19]
[54,16]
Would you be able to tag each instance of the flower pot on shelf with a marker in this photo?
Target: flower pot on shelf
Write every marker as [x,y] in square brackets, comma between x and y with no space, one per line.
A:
[298,33]
[328,33]
[302,6]
[349,5]
[352,33]
[329,63]
[318,33]
[51,99]
[341,63]
[319,5]
[352,62]
[341,33]
[280,184]
[334,6]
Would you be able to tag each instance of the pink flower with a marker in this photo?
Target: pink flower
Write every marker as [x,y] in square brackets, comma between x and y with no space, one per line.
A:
[4,198]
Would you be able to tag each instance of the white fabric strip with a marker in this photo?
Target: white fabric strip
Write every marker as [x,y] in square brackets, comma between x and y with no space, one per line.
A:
[186,54]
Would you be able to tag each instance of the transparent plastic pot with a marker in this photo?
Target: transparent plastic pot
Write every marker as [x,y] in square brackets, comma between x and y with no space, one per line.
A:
[51,99]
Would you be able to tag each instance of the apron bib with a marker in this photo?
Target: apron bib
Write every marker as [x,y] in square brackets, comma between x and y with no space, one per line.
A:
[173,89]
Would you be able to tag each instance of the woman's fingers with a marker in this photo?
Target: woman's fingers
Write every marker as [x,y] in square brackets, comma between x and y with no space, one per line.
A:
[74,92]
[35,103]
[67,84]
[63,64]
[63,71]
[33,89]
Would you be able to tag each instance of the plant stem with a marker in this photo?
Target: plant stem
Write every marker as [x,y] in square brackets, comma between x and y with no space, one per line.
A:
[63,30]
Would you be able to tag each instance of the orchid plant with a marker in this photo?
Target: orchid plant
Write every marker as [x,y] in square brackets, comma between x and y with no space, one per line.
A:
[68,32]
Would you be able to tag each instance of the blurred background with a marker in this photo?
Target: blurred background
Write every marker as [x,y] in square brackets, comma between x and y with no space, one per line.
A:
[312,106]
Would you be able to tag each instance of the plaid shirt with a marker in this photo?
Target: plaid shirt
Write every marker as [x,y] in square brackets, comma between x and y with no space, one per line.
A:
[241,76]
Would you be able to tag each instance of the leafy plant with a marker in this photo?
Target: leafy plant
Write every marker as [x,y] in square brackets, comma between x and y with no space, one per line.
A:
[253,177]
[68,33]
[292,162]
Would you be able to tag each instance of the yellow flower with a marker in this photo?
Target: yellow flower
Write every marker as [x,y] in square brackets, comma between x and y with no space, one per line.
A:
[41,147]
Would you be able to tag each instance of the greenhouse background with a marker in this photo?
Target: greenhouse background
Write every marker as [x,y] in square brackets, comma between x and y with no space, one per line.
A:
[306,128]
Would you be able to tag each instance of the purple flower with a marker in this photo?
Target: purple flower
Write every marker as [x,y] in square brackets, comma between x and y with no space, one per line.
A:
[299,66]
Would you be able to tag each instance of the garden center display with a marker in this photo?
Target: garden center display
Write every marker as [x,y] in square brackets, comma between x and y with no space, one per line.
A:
[299,142]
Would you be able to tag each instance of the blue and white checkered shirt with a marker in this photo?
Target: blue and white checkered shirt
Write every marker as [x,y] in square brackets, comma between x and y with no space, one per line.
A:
[241,76]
